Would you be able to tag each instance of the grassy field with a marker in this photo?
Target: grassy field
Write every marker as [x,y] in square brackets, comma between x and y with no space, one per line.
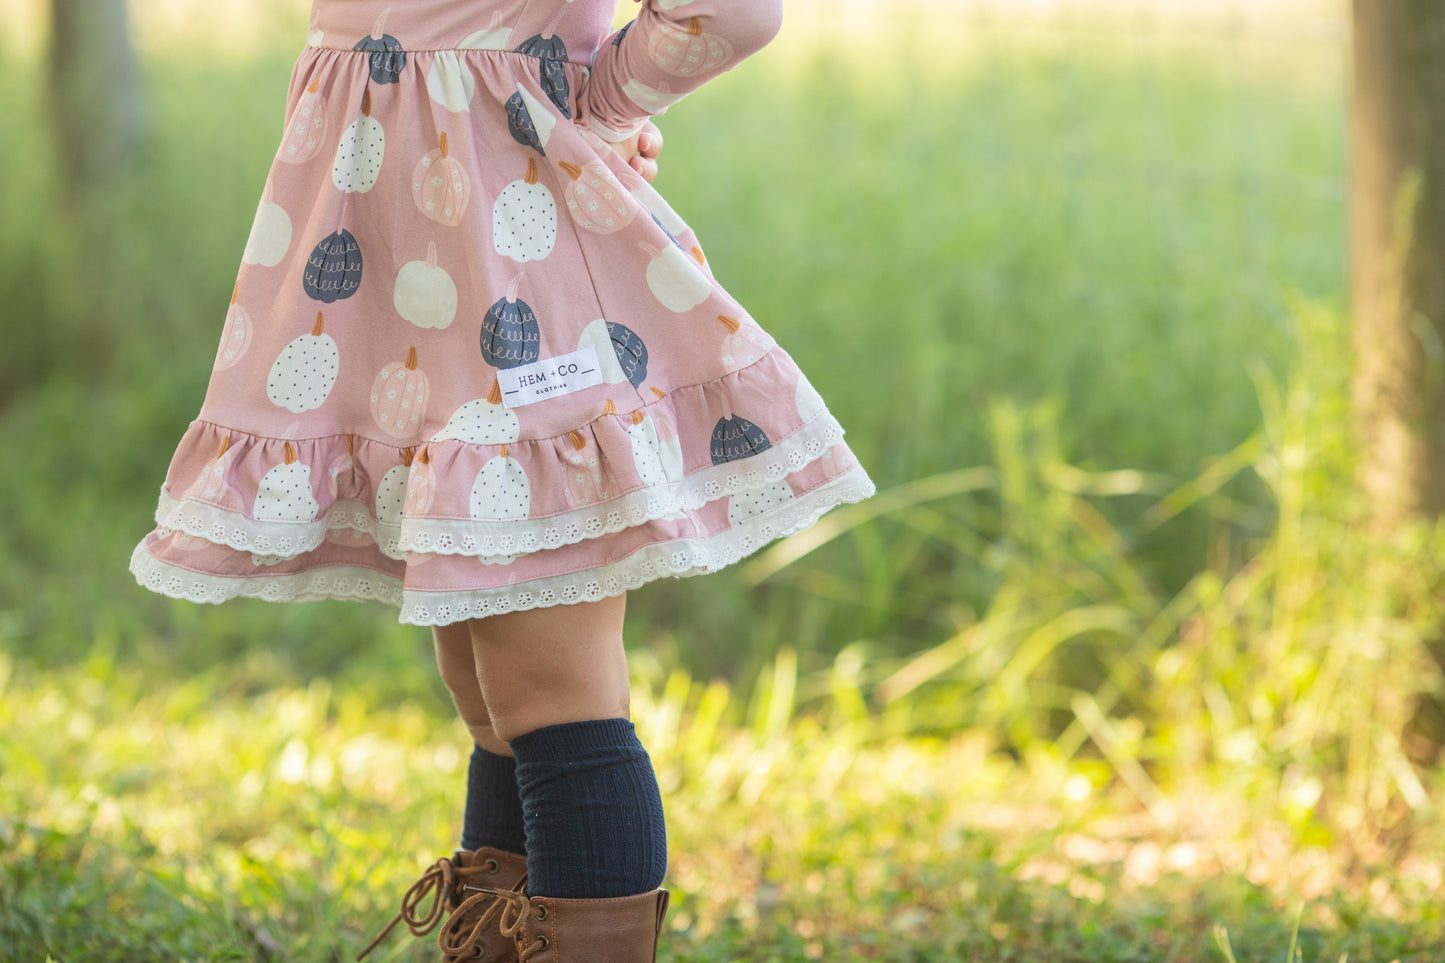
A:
[1108,672]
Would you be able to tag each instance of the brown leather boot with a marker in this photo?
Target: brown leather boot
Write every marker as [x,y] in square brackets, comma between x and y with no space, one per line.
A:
[443,882]
[547,930]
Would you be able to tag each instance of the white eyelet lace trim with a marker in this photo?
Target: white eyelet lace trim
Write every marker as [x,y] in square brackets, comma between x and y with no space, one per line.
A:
[502,539]
[674,558]
[465,536]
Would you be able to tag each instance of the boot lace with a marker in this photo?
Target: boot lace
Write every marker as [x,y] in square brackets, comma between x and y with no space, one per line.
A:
[512,909]
[436,882]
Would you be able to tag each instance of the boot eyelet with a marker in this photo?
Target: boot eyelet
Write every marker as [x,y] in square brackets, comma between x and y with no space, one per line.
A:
[476,951]
[543,913]
[543,942]
[491,866]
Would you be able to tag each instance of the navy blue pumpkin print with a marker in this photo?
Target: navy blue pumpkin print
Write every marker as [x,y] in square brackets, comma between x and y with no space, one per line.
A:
[333,271]
[388,59]
[511,336]
[631,353]
[520,123]
[551,54]
[736,438]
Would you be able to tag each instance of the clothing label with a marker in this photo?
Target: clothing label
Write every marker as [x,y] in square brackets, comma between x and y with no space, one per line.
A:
[549,378]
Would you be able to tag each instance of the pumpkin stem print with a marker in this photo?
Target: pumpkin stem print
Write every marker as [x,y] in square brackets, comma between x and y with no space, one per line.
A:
[744,345]
[307,128]
[305,371]
[235,334]
[360,153]
[398,397]
[333,271]
[387,59]
[440,185]
[511,336]
[737,438]
[551,54]
[524,219]
[425,293]
[529,121]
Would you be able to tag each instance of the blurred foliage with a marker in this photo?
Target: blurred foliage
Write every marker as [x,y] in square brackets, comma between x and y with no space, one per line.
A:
[1113,627]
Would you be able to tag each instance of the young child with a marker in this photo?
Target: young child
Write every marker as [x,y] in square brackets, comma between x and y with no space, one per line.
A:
[474,366]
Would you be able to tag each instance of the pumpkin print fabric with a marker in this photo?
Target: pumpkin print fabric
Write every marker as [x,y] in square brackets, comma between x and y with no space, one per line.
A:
[445,217]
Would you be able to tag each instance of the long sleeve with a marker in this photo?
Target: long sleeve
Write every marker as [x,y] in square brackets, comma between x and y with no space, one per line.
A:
[671,49]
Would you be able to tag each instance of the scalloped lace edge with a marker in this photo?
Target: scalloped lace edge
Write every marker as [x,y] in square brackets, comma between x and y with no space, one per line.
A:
[677,559]
[504,539]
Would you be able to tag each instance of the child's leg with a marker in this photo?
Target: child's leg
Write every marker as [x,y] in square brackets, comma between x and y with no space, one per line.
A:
[493,815]
[555,685]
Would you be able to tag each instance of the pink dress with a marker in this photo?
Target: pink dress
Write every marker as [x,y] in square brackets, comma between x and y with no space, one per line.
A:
[474,363]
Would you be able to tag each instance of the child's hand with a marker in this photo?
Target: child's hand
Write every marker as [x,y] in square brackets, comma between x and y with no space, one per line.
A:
[641,150]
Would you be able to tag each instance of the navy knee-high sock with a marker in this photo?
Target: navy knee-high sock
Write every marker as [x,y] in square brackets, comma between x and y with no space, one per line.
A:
[493,815]
[593,811]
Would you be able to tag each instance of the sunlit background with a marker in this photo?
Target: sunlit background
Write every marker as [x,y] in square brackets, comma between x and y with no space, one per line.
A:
[1110,669]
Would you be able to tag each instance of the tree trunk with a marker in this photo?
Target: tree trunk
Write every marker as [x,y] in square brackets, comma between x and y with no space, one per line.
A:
[99,106]
[1398,224]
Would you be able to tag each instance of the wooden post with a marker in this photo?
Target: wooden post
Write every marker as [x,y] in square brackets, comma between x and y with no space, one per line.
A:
[99,105]
[1398,278]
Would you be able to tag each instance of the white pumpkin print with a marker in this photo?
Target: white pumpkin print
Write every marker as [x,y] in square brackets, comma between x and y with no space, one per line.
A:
[361,152]
[450,83]
[399,396]
[654,100]
[284,494]
[524,219]
[658,207]
[213,483]
[270,232]
[305,371]
[235,334]
[810,403]
[391,494]
[501,490]
[306,129]
[669,450]
[425,293]
[495,37]
[597,337]
[745,343]
[482,422]
[674,279]
[751,504]
[647,450]
[315,38]
[589,481]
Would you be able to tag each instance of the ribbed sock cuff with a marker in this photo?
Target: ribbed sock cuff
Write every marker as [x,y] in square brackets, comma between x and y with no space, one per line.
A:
[593,811]
[493,817]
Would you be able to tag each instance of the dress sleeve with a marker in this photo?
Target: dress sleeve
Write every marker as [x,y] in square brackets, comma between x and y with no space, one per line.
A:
[671,49]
